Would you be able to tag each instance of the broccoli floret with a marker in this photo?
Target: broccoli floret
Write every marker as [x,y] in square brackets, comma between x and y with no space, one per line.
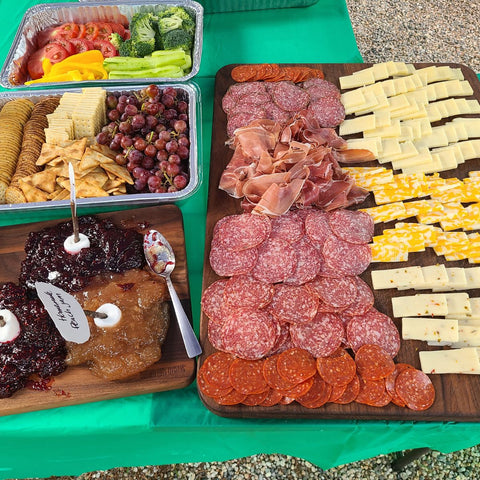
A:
[168,24]
[125,49]
[116,40]
[143,48]
[178,39]
[141,27]
[176,11]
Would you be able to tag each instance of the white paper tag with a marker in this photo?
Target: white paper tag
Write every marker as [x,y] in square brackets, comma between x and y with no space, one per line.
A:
[65,311]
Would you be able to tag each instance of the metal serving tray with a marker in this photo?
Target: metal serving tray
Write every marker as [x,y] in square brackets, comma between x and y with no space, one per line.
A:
[143,199]
[46,15]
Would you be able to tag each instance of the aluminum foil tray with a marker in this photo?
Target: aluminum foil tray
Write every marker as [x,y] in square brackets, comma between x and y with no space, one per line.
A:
[140,199]
[46,15]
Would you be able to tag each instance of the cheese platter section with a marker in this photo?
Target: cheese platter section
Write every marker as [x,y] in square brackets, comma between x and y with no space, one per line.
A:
[342,219]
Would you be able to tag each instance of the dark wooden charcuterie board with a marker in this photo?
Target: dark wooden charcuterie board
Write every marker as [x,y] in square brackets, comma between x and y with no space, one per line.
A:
[77,384]
[457,396]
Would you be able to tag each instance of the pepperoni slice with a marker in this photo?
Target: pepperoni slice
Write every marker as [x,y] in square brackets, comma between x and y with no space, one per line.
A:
[373,328]
[245,291]
[255,399]
[244,231]
[212,301]
[344,257]
[232,398]
[208,389]
[373,363]
[337,392]
[273,398]
[249,334]
[363,301]
[273,378]
[382,401]
[338,369]
[337,292]
[276,262]
[371,391]
[296,365]
[321,337]
[317,227]
[309,262]
[352,225]
[415,388]
[288,227]
[350,393]
[318,395]
[215,369]
[293,304]
[227,263]
[246,376]
[299,389]
[390,383]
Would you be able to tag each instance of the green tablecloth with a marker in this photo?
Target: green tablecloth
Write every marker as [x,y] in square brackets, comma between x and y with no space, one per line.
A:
[174,427]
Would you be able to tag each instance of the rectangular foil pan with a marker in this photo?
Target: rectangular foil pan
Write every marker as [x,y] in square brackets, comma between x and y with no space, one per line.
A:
[46,15]
[140,199]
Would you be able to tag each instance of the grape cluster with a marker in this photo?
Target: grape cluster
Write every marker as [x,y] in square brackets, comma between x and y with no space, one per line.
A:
[149,130]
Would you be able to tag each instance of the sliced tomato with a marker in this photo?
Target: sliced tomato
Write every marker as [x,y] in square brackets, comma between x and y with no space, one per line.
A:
[118,28]
[67,45]
[44,36]
[82,30]
[81,44]
[107,49]
[55,52]
[104,29]
[69,30]
[91,30]
[34,64]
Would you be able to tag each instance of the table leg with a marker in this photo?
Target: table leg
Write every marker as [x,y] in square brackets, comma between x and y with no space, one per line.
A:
[407,458]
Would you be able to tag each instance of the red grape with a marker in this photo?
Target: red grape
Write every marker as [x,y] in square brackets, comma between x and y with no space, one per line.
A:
[140,144]
[174,158]
[182,106]
[180,126]
[138,122]
[183,152]
[170,91]
[113,115]
[180,181]
[168,100]
[152,91]
[172,169]
[150,150]
[121,159]
[171,146]
[148,163]
[131,110]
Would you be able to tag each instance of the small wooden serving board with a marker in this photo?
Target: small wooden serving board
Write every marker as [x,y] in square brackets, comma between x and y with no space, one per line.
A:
[77,384]
[457,396]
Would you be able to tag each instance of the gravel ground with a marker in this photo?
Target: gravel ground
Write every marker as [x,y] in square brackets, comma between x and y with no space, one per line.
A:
[420,30]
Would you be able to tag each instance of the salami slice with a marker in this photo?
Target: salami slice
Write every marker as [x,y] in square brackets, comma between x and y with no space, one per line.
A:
[274,112]
[371,391]
[245,291]
[208,389]
[212,302]
[241,232]
[255,111]
[309,262]
[232,398]
[373,328]
[337,292]
[246,376]
[319,88]
[255,399]
[338,369]
[352,225]
[273,378]
[350,393]
[373,363]
[228,102]
[288,227]
[241,119]
[283,341]
[273,398]
[345,257]
[257,98]
[390,383]
[215,369]
[318,395]
[296,365]
[293,304]
[317,227]
[249,334]
[363,302]
[329,112]
[289,97]
[276,262]
[227,263]
[415,388]
[321,337]
[238,90]
[214,333]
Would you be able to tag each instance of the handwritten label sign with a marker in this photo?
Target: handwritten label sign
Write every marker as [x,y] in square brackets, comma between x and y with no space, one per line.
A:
[65,311]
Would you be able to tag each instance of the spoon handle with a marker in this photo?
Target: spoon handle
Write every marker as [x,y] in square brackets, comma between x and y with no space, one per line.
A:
[192,346]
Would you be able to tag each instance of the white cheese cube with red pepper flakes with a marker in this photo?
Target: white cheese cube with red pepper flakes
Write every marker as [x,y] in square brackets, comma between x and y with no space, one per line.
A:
[457,280]
[420,305]
[458,304]
[407,277]
[461,360]
[434,276]
[433,330]
[468,336]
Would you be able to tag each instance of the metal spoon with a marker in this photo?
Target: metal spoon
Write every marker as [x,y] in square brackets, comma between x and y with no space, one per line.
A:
[161,259]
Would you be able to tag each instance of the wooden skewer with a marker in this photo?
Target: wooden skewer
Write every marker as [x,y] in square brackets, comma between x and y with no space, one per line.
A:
[92,313]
